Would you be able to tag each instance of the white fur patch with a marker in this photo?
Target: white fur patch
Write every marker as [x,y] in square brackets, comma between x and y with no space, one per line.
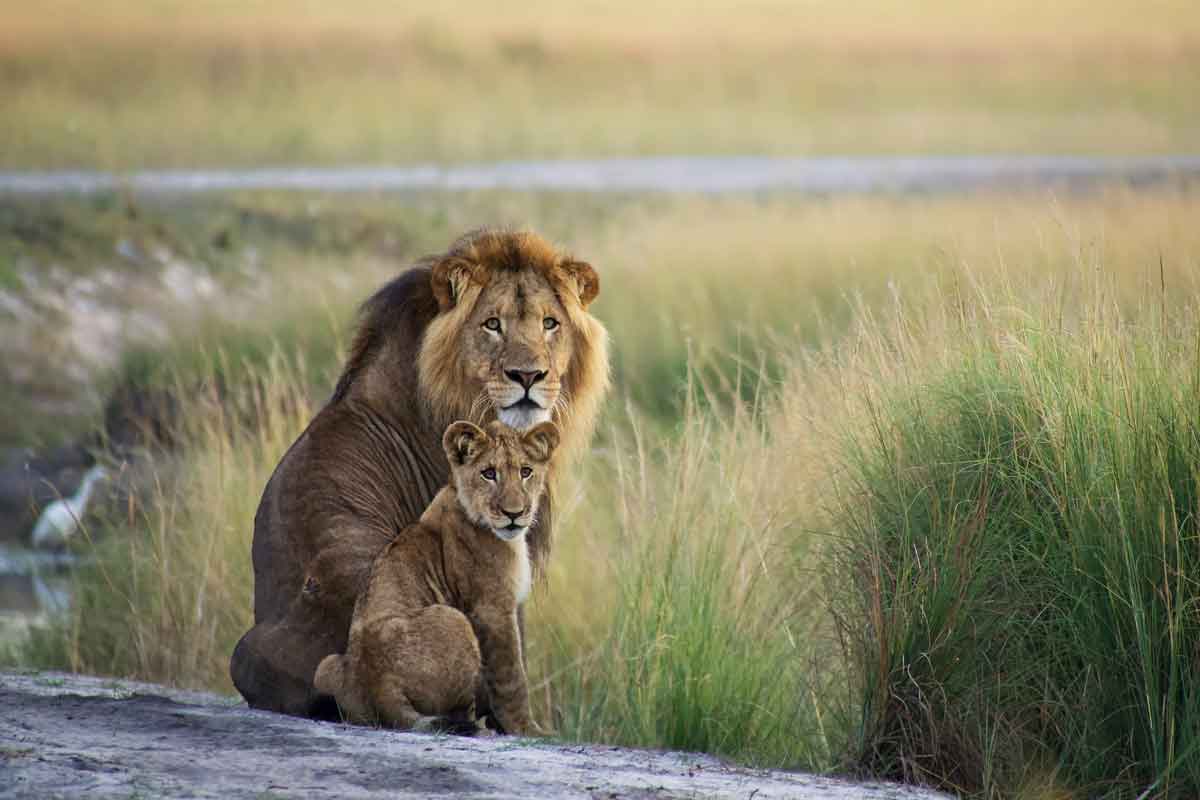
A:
[523,419]
[523,574]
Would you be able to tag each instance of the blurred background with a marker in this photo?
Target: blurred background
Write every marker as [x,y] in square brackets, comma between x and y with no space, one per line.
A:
[121,84]
[883,473]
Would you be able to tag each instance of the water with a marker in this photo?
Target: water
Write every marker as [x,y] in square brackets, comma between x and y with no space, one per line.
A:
[34,587]
[715,175]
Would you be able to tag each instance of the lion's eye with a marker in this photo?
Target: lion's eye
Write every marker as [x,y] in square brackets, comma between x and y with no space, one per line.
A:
[492,323]
[489,474]
[549,323]
[526,472]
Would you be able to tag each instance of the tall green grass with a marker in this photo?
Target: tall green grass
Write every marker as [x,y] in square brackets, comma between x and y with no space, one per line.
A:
[681,566]
[1019,545]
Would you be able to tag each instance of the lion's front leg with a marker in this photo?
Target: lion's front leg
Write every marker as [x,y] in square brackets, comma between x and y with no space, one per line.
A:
[504,669]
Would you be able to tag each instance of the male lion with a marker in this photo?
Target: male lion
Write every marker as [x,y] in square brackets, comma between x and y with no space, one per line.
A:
[497,327]
[437,620]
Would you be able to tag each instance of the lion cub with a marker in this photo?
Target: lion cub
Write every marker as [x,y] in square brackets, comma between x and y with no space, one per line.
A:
[437,621]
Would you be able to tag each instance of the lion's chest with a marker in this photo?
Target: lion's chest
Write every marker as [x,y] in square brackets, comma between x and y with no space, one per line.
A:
[522,573]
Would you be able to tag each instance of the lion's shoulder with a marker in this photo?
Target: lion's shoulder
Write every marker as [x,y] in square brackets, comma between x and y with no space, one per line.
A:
[352,459]
[396,315]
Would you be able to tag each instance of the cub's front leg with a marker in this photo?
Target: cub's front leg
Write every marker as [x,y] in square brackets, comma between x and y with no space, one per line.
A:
[503,668]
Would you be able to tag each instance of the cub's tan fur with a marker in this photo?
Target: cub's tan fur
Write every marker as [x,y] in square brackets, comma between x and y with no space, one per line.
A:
[437,623]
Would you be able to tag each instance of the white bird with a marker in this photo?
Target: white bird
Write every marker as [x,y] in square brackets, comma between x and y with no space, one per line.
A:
[60,519]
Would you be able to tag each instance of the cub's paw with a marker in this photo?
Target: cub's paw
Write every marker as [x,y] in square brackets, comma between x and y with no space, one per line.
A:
[541,731]
[454,724]
[483,729]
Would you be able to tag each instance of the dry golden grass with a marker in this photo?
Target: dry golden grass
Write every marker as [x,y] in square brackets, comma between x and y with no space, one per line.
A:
[177,569]
[659,26]
[125,85]
[715,278]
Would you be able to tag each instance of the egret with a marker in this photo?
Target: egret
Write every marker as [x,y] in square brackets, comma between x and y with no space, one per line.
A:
[60,519]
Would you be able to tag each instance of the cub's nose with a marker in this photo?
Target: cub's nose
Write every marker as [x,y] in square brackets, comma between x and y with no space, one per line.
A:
[514,515]
[525,377]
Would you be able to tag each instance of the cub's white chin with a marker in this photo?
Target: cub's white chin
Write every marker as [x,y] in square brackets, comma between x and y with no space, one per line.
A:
[523,418]
[508,534]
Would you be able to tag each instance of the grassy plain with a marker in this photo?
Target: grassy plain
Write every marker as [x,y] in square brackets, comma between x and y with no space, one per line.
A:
[905,487]
[123,84]
[875,364]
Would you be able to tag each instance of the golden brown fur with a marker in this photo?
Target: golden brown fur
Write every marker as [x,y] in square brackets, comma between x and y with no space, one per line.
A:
[437,621]
[371,461]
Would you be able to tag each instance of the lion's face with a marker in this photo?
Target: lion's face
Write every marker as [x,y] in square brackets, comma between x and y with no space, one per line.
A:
[517,343]
[500,474]
[512,325]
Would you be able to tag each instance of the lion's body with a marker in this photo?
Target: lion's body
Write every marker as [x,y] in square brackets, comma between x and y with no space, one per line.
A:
[436,624]
[371,461]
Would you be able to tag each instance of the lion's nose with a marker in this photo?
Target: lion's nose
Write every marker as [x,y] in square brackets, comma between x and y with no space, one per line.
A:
[514,515]
[525,377]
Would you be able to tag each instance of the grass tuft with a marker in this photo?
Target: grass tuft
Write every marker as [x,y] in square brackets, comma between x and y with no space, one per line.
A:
[1019,532]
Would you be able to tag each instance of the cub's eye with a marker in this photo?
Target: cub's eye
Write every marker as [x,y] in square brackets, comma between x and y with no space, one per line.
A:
[526,472]
[492,323]
[489,474]
[549,323]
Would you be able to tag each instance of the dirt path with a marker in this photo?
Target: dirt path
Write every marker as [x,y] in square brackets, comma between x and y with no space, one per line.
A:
[676,174]
[73,736]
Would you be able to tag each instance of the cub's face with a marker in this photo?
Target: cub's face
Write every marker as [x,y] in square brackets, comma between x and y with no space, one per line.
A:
[500,473]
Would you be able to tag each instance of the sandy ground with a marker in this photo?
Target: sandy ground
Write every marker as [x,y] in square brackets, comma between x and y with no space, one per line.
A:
[74,736]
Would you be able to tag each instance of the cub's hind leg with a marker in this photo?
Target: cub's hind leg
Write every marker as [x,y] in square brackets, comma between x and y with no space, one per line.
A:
[427,671]
[337,677]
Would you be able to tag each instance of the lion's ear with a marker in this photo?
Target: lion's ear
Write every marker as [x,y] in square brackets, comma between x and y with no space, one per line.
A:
[540,441]
[463,441]
[449,279]
[587,282]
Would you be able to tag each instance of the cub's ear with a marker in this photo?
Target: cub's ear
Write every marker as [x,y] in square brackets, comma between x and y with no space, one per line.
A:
[463,442]
[587,282]
[449,279]
[540,441]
